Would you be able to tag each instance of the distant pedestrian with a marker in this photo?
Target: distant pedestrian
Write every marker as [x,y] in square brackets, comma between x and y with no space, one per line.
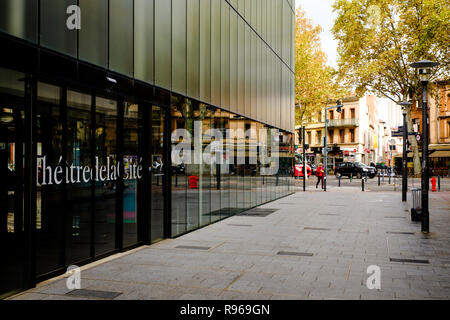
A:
[320,172]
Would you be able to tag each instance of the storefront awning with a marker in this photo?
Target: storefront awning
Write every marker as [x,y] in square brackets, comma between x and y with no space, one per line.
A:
[440,154]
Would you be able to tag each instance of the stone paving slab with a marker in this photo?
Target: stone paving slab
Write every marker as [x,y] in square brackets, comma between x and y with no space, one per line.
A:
[242,263]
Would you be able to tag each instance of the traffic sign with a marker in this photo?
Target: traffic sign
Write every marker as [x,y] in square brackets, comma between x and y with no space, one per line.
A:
[418,137]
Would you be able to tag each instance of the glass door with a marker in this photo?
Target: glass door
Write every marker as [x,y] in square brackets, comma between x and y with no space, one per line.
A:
[12,162]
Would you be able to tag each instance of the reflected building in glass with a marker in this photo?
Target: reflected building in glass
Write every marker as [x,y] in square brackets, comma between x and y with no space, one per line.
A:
[92,121]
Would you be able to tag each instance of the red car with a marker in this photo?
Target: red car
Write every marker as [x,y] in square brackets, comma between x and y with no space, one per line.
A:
[299,170]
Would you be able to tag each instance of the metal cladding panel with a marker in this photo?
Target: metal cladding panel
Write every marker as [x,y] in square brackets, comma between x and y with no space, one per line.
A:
[225,56]
[143,40]
[163,43]
[205,51]
[241,66]
[193,48]
[179,46]
[215,52]
[233,61]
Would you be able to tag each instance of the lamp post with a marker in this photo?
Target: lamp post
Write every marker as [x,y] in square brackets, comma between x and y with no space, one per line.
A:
[424,67]
[339,109]
[405,105]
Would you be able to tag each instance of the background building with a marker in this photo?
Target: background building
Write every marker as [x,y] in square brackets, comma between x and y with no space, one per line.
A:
[87,117]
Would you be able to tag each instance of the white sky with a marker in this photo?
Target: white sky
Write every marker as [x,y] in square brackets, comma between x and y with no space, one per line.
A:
[320,12]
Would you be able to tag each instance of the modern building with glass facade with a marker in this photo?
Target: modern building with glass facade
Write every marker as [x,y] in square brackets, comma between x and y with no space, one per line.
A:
[92,103]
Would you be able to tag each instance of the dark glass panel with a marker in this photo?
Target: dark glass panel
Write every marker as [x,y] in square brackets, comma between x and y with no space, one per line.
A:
[157,189]
[79,191]
[105,191]
[178,168]
[49,195]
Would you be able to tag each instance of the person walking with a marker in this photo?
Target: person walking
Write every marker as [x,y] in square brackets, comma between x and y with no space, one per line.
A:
[320,172]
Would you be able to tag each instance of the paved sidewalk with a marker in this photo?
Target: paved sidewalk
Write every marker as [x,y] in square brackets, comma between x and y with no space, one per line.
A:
[327,239]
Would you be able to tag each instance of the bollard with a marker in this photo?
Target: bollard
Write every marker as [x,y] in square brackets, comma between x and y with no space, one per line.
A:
[362,184]
[351,177]
[378,179]
[389,178]
[439,183]
[340,180]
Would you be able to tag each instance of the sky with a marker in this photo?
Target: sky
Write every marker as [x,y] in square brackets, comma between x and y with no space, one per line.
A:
[320,12]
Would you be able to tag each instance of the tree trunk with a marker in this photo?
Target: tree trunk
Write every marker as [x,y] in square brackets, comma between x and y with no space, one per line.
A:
[415,146]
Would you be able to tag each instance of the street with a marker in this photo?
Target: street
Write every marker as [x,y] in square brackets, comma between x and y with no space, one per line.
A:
[313,245]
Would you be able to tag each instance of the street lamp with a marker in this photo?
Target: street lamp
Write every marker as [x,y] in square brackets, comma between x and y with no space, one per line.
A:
[405,105]
[339,107]
[424,67]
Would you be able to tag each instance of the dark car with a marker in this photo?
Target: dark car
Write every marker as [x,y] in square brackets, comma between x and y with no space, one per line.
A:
[355,169]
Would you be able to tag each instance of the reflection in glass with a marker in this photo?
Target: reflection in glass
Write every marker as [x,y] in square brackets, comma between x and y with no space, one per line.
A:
[49,197]
[132,172]
[105,136]
[78,190]
[178,169]
[157,176]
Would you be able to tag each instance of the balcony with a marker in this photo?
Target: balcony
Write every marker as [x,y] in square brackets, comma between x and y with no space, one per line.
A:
[343,123]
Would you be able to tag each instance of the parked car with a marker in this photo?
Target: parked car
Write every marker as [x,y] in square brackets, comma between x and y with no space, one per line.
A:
[355,169]
[299,170]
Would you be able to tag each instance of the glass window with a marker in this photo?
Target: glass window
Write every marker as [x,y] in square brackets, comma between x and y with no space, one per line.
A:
[214,152]
[121,36]
[192,166]
[205,169]
[49,194]
[224,165]
[132,171]
[79,189]
[105,191]
[157,170]
[54,32]
[19,18]
[143,40]
[94,32]
[178,168]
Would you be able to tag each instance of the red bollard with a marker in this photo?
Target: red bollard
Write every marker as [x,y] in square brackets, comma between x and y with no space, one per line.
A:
[433,184]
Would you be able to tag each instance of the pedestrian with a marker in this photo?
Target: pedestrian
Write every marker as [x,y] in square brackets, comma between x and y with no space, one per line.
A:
[320,172]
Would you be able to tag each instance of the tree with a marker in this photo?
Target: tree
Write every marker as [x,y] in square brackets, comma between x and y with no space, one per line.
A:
[314,80]
[379,39]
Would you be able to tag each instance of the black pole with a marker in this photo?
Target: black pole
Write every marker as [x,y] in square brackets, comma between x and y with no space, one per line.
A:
[362,183]
[425,183]
[304,160]
[340,176]
[378,178]
[405,161]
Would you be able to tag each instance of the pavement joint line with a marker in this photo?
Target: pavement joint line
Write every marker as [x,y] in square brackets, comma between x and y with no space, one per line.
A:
[234,280]
[213,248]
[349,268]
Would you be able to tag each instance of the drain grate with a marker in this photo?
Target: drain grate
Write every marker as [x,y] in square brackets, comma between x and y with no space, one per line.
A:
[316,229]
[409,260]
[193,247]
[94,294]
[240,225]
[399,232]
[298,254]
[258,212]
